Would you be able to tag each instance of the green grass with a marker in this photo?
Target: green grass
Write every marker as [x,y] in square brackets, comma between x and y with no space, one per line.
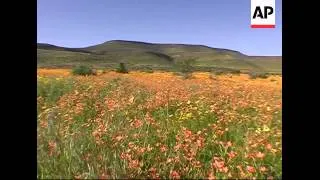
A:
[51,89]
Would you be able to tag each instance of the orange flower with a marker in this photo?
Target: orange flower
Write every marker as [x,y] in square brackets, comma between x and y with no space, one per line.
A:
[218,163]
[177,147]
[43,124]
[174,175]
[211,176]
[104,176]
[232,154]
[131,145]
[126,156]
[187,133]
[263,169]
[251,169]
[269,146]
[269,178]
[52,147]
[260,155]
[197,164]
[163,148]
[136,123]
[119,138]
[241,171]
[141,150]
[229,144]
[135,135]
[153,172]
[225,169]
[134,164]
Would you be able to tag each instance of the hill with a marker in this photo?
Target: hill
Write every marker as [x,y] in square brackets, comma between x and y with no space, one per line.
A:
[136,54]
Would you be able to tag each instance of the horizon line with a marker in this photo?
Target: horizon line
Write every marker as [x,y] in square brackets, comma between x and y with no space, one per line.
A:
[159,43]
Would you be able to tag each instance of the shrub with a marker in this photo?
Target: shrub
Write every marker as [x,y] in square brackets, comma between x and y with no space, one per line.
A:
[226,71]
[122,68]
[254,75]
[235,71]
[186,66]
[148,70]
[83,70]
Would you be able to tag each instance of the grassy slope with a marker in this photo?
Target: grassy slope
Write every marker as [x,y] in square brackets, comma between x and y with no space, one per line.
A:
[110,53]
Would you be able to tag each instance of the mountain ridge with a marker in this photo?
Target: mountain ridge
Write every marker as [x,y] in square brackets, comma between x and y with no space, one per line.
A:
[137,53]
[150,43]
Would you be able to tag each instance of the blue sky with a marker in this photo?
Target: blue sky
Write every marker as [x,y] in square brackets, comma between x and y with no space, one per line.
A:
[215,23]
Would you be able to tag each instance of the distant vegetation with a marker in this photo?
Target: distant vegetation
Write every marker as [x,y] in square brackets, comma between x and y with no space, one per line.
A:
[254,75]
[122,68]
[187,66]
[83,70]
[226,71]
[139,55]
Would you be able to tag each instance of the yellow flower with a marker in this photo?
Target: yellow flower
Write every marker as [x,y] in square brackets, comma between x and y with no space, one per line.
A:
[189,115]
[265,128]
[258,131]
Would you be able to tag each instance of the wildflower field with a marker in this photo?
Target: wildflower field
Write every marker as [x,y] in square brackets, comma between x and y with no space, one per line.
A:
[158,126]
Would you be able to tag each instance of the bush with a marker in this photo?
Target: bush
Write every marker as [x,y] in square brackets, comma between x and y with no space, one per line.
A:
[147,70]
[226,71]
[254,75]
[122,68]
[235,72]
[186,66]
[83,70]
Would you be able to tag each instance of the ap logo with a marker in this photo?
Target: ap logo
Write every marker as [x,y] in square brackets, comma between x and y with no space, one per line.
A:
[263,14]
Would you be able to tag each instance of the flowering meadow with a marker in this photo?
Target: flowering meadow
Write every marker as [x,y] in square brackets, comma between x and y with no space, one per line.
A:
[158,126]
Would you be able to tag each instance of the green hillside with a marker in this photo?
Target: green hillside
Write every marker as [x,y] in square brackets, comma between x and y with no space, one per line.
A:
[164,56]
